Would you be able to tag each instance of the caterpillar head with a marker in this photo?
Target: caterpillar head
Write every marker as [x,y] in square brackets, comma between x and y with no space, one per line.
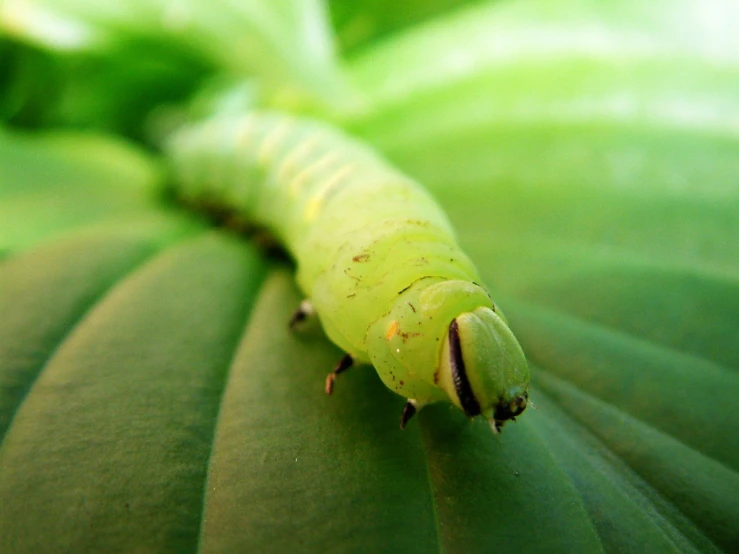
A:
[482,367]
[445,340]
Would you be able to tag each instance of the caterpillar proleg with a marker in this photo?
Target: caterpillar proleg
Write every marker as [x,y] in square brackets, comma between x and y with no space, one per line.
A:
[376,257]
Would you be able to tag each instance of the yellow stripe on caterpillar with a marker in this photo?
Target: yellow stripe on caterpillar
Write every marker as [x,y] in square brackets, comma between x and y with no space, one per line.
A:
[315,203]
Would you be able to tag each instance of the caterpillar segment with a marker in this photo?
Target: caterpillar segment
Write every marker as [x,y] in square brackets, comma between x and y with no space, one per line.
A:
[376,258]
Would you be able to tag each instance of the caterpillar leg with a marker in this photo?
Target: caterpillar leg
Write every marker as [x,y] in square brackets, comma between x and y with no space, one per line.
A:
[409,410]
[304,311]
[496,426]
[344,363]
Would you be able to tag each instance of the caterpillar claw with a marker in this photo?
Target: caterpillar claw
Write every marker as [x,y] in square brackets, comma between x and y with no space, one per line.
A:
[330,378]
[409,410]
[304,311]
[343,364]
[495,425]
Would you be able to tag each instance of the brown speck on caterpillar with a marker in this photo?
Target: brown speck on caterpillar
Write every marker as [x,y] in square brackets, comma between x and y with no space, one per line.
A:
[346,272]
[406,336]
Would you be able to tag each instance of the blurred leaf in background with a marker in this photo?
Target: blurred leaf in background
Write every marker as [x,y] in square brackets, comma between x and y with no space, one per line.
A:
[151,396]
[357,24]
[114,62]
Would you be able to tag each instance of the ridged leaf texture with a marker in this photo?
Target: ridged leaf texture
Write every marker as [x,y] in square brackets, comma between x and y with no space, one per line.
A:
[153,399]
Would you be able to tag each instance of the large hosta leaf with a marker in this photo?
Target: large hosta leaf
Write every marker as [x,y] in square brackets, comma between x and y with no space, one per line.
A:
[598,193]
[153,399]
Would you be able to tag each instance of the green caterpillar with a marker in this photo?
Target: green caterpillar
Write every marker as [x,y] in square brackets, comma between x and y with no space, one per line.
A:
[375,254]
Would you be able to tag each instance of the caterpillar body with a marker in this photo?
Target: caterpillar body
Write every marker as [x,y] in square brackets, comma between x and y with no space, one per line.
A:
[376,257]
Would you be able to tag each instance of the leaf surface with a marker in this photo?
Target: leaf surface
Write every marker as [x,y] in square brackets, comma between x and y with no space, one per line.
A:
[587,154]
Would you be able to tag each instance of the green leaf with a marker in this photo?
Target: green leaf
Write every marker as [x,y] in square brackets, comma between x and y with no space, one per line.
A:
[154,399]
[359,23]
[596,190]
[286,43]
[62,181]
[43,295]
[115,433]
[114,90]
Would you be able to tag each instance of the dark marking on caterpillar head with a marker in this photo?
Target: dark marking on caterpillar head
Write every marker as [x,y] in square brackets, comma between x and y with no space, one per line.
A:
[462,386]
[412,307]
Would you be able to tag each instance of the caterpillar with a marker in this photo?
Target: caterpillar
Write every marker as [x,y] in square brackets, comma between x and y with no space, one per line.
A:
[376,257]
